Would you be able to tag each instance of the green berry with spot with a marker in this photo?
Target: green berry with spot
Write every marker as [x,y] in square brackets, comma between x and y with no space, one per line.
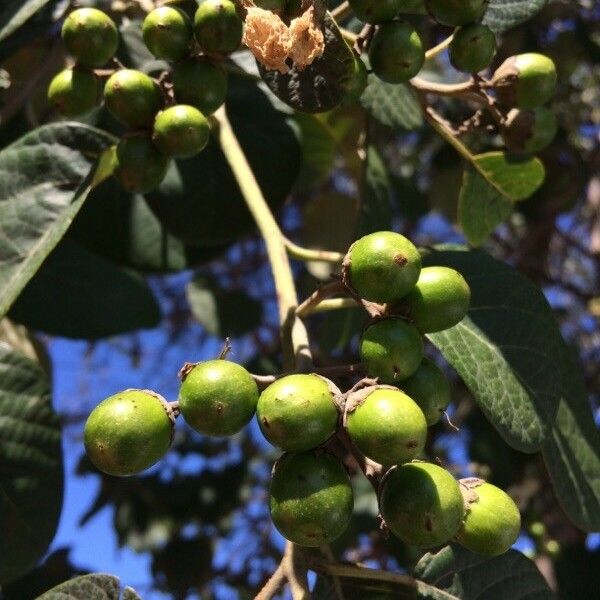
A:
[430,389]
[439,301]
[396,52]
[421,504]
[200,83]
[391,349]
[168,33]
[218,397]
[133,98]
[311,498]
[217,27]
[139,165]
[375,11]
[456,12]
[529,130]
[181,131]
[526,80]
[386,425]
[472,48]
[297,412]
[382,266]
[74,92]
[90,36]
[128,432]
[492,521]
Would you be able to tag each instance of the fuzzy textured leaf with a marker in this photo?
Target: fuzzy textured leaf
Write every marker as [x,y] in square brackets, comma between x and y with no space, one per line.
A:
[95,586]
[504,14]
[15,13]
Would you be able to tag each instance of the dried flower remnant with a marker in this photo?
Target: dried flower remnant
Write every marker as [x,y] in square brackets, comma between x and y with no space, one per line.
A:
[308,42]
[268,38]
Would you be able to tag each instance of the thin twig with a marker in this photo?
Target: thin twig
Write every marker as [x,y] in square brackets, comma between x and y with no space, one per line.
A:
[274,583]
[436,50]
[311,254]
[341,11]
[321,293]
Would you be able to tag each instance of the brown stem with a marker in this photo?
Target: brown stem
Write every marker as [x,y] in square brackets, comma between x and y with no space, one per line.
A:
[324,291]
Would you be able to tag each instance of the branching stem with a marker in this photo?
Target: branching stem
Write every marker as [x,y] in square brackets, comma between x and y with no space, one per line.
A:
[311,254]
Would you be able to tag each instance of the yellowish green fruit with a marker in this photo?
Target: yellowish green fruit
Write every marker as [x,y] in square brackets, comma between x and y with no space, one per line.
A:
[167,33]
[217,27]
[201,83]
[73,92]
[456,12]
[139,166]
[181,131]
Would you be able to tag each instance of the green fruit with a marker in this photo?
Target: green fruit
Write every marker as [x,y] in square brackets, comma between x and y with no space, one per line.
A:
[375,11]
[167,33]
[430,389]
[439,301]
[139,166]
[359,80]
[396,52]
[492,521]
[387,426]
[132,98]
[526,80]
[530,130]
[181,130]
[217,27]
[383,266]
[392,350]
[456,12]
[297,412]
[311,498]
[128,432]
[421,504]
[218,397]
[73,92]
[472,48]
[90,36]
[200,83]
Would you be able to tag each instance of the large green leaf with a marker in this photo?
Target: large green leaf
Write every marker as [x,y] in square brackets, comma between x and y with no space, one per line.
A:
[504,14]
[15,12]
[467,576]
[78,294]
[31,471]
[95,586]
[481,208]
[44,179]
[572,452]
[506,349]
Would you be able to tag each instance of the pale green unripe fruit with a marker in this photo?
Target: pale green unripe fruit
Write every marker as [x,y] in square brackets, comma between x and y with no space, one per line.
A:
[73,92]
[217,27]
[529,130]
[472,48]
[456,12]
[181,131]
[167,33]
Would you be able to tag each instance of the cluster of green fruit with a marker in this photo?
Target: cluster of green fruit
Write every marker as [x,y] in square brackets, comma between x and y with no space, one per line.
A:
[311,498]
[165,118]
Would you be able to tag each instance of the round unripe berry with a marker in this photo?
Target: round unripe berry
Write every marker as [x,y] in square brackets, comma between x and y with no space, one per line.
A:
[492,521]
[218,397]
[472,48]
[526,80]
[421,504]
[396,52]
[128,432]
[386,425]
[167,33]
[392,350]
[456,12]
[375,11]
[73,92]
[359,80]
[430,389]
[529,130]
[297,412]
[139,164]
[439,301]
[311,498]
[181,130]
[90,36]
[132,98]
[382,266]
[200,83]
[217,27]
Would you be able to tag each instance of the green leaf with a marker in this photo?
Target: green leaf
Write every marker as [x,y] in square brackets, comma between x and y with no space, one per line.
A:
[376,209]
[31,471]
[467,576]
[323,84]
[506,349]
[416,7]
[15,13]
[44,179]
[504,14]
[78,294]
[392,105]
[515,177]
[572,452]
[95,586]
[481,208]
[222,313]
